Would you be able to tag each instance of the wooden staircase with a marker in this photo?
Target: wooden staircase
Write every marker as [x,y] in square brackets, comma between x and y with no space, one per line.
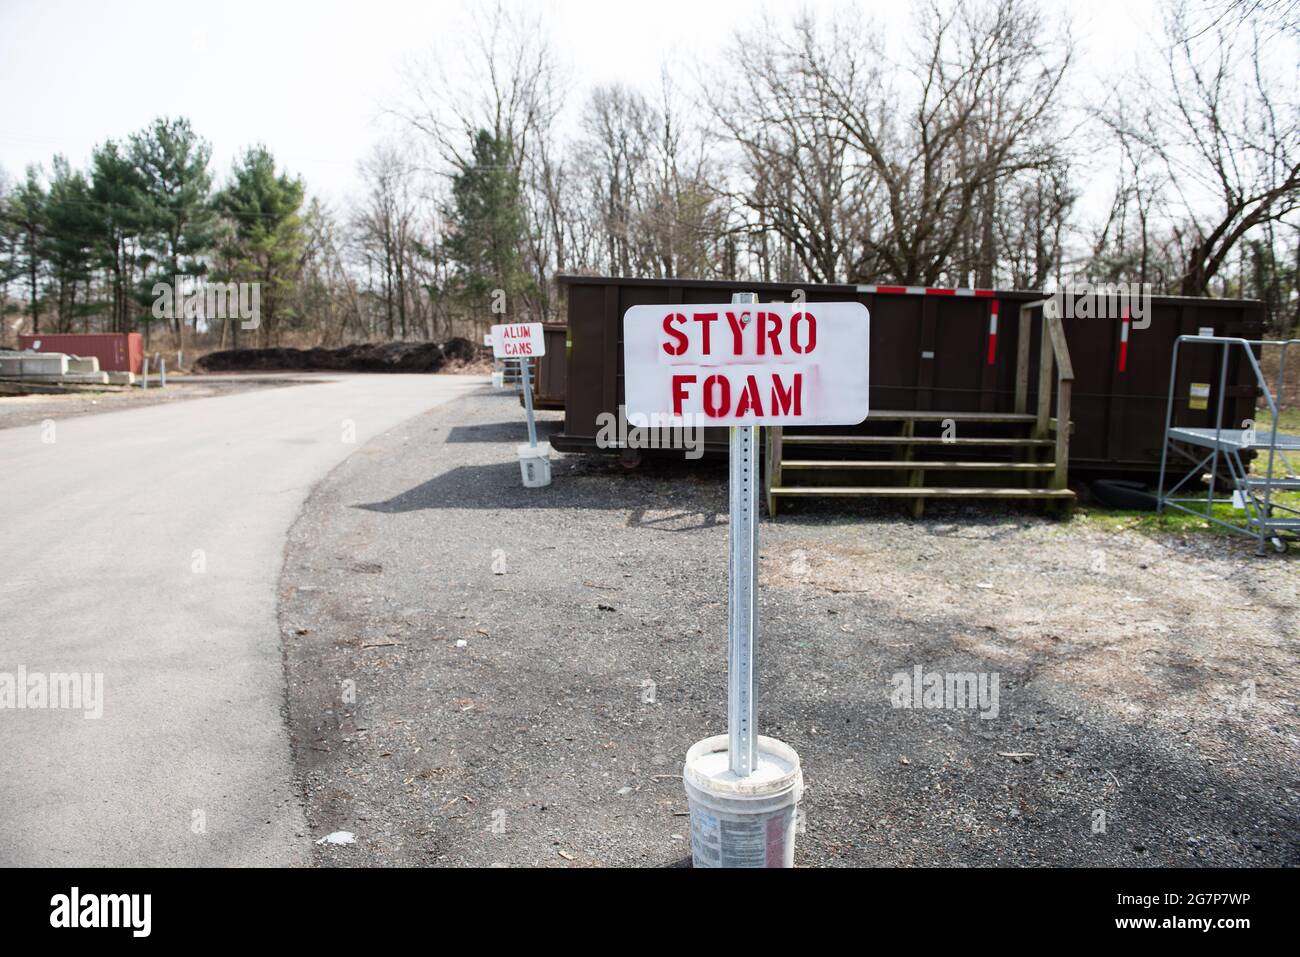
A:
[920,455]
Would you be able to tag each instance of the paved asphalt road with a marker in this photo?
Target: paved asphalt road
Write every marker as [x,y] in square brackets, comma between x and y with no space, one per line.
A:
[145,545]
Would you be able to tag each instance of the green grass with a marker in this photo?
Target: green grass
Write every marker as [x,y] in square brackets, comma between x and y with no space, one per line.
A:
[1172,522]
[1176,522]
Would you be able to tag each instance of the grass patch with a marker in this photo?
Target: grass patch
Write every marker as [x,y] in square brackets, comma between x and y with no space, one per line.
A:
[1172,522]
[1176,522]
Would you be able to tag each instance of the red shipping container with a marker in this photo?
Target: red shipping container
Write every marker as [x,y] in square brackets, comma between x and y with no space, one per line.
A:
[116,351]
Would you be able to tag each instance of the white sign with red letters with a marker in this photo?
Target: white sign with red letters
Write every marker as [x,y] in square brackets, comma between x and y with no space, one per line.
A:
[776,363]
[518,340]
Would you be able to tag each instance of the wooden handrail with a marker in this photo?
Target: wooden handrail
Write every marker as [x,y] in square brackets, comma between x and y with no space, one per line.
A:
[772,466]
[1059,354]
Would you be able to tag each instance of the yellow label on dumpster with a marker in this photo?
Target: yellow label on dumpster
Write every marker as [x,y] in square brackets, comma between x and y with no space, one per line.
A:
[1200,396]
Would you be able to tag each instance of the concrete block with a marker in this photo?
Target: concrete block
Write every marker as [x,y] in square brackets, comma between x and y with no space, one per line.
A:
[72,378]
[33,363]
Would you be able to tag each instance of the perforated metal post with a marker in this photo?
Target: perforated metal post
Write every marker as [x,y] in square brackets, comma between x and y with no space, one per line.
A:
[742,593]
[528,401]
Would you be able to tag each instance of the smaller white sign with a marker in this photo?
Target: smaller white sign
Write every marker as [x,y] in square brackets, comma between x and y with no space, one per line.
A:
[518,340]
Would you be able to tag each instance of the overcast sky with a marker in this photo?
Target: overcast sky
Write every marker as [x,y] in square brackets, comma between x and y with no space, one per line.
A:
[311,80]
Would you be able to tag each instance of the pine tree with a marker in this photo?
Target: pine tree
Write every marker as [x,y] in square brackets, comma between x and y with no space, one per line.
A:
[488,223]
[268,235]
[173,165]
[26,213]
[69,242]
[117,192]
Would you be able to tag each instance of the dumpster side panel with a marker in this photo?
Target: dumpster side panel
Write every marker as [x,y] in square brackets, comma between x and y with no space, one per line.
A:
[929,353]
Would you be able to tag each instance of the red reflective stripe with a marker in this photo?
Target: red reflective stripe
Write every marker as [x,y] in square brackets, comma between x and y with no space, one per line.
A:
[926,291]
[1123,343]
[993,332]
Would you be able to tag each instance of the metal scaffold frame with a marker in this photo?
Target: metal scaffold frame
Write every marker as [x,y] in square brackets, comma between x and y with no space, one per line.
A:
[1209,449]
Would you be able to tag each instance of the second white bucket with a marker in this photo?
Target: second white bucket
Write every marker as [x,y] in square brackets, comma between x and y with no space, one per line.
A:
[742,822]
[535,464]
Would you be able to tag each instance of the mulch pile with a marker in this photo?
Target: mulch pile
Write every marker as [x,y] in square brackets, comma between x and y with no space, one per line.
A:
[365,357]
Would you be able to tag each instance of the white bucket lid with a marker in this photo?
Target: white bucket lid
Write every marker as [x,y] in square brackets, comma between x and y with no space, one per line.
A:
[541,451]
[708,768]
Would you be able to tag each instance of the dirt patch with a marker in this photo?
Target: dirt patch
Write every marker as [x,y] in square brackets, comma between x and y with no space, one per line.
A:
[1180,635]
[481,674]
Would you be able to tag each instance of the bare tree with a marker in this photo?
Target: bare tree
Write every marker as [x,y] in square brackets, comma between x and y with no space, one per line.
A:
[867,173]
[383,226]
[799,179]
[508,86]
[979,111]
[1226,137]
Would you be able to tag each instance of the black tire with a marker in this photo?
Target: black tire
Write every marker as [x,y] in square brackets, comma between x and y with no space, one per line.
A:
[1123,494]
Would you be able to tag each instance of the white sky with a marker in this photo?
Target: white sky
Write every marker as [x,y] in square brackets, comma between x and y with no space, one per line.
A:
[311,80]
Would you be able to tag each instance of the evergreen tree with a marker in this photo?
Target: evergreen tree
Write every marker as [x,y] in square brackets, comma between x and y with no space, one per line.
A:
[172,162]
[26,212]
[488,223]
[69,241]
[268,235]
[117,192]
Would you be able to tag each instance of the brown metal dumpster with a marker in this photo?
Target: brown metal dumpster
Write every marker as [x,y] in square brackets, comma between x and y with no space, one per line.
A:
[551,367]
[930,351]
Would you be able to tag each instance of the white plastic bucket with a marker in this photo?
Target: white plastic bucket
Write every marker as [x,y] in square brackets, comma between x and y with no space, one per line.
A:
[742,822]
[498,380]
[535,464]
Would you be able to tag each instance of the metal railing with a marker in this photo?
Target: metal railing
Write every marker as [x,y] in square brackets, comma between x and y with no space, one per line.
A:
[1227,445]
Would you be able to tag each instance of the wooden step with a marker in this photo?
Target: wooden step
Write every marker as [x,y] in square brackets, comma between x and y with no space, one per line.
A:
[920,491]
[918,465]
[788,439]
[887,415]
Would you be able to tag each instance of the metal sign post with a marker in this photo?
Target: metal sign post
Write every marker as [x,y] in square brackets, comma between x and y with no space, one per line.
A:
[742,366]
[520,342]
[528,401]
[742,592]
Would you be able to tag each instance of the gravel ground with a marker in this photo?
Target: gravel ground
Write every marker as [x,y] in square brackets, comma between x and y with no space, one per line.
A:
[18,410]
[469,666]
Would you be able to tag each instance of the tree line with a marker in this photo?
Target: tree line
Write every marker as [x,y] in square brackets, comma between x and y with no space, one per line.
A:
[815,152]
